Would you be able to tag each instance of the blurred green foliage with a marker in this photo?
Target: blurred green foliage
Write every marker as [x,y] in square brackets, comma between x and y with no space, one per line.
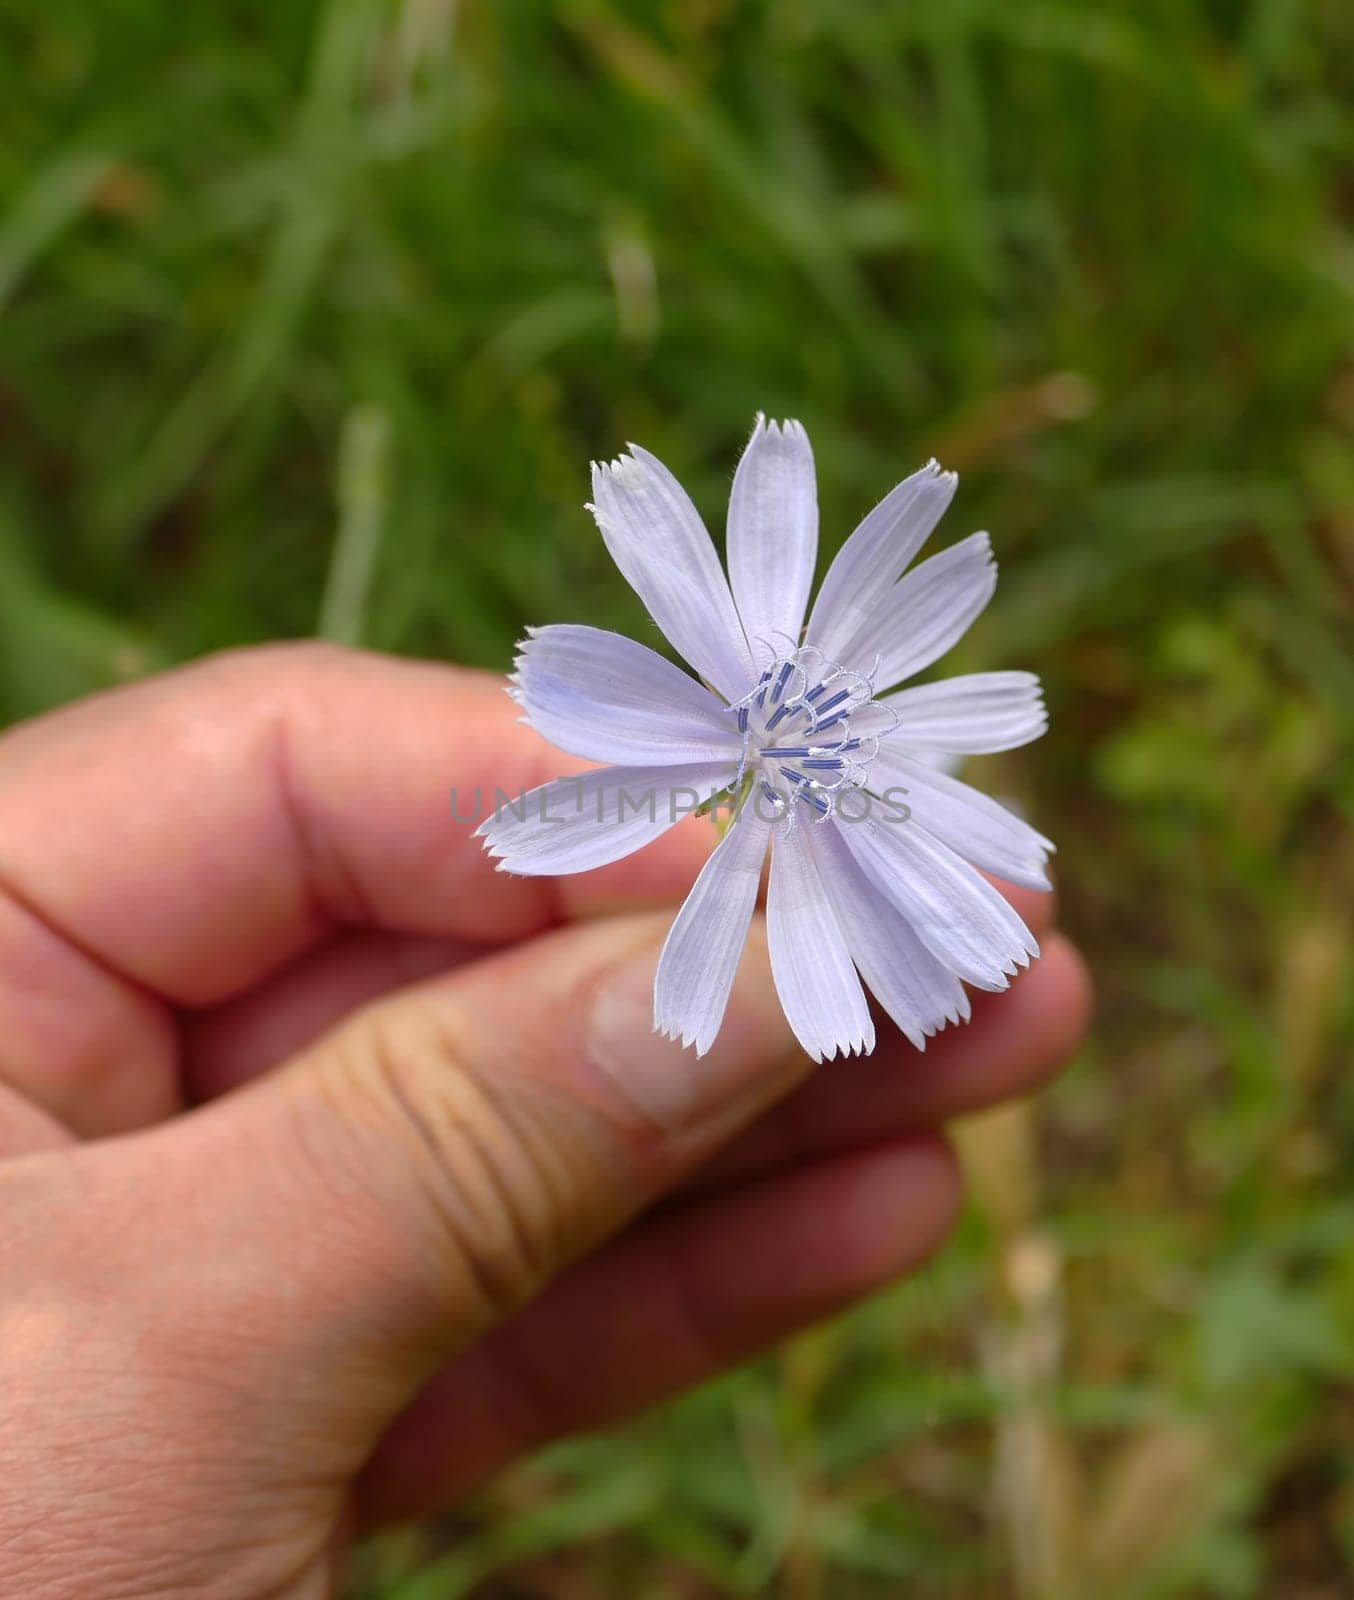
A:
[314,314]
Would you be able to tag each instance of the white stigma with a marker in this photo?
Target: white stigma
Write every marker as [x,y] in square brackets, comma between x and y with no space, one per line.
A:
[798,740]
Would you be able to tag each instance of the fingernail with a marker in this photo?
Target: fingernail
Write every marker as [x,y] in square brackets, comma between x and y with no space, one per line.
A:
[754,1054]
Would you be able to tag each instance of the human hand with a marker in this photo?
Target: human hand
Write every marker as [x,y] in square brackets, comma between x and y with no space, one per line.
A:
[238,1328]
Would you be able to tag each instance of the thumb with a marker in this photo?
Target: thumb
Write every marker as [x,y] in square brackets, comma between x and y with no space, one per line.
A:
[423,1169]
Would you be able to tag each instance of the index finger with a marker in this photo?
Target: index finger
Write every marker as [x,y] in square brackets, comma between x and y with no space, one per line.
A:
[195,832]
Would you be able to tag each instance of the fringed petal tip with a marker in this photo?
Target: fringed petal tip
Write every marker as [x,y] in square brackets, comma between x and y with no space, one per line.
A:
[1021,962]
[1000,978]
[955,1016]
[842,1049]
[514,869]
[514,685]
[627,471]
[921,1033]
[934,469]
[859,1044]
[496,852]
[785,428]
[499,853]
[686,1039]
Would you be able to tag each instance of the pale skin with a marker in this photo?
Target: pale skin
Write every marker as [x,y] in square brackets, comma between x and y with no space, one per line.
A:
[337,1170]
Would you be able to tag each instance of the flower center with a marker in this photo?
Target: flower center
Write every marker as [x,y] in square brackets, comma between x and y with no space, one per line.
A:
[798,740]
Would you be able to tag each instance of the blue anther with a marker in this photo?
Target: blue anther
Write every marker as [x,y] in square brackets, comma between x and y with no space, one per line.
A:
[836,700]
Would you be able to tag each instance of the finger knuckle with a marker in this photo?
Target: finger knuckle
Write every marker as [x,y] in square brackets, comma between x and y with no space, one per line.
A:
[257,663]
[481,1145]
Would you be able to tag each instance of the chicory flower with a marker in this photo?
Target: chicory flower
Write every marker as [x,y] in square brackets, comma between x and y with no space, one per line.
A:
[798,728]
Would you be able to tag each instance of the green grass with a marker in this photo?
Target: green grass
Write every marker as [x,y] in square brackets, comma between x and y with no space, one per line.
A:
[312,316]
